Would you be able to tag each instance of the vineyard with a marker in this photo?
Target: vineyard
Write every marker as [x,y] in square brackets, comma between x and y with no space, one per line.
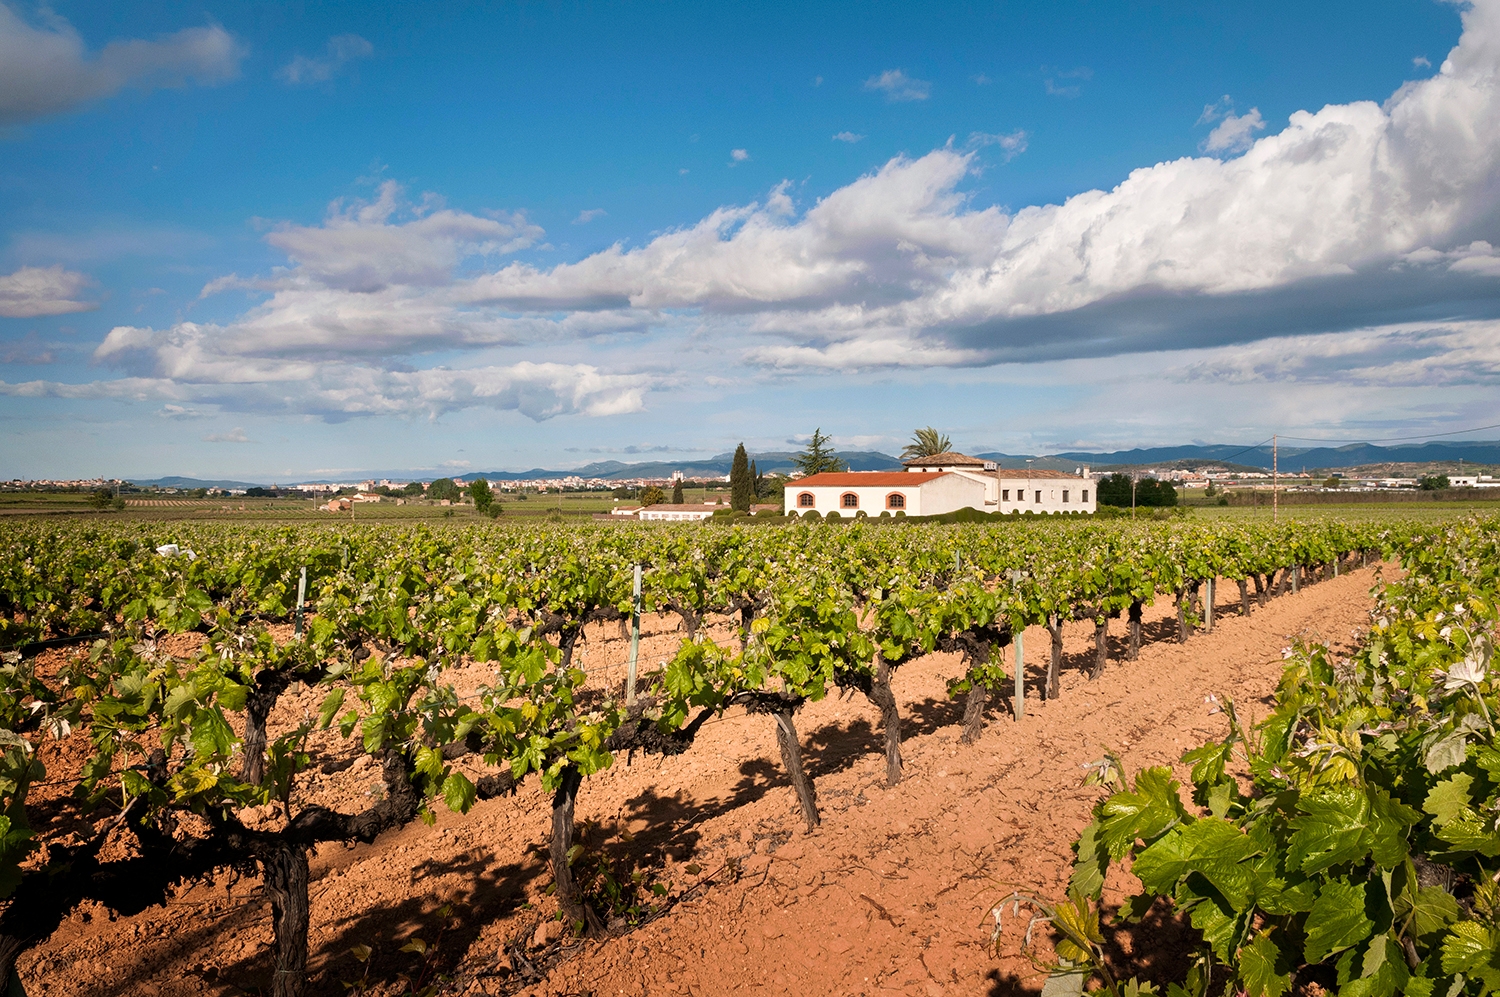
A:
[201,695]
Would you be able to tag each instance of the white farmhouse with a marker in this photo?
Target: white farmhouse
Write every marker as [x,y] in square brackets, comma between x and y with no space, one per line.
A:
[932,486]
[666,512]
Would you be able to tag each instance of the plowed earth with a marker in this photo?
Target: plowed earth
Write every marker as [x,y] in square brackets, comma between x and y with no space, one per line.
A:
[891,894]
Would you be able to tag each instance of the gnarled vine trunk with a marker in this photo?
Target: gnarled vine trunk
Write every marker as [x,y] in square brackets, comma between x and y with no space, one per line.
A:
[569,897]
[1101,646]
[1244,598]
[1133,628]
[1052,687]
[791,757]
[284,872]
[974,707]
[890,719]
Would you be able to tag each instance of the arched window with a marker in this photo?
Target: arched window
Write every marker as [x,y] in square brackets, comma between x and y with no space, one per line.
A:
[849,501]
[895,500]
[805,500]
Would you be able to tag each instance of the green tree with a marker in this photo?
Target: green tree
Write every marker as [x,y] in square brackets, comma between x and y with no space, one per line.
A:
[1114,490]
[412,488]
[653,496]
[818,458]
[741,485]
[1432,482]
[479,491]
[102,498]
[677,498]
[926,443]
[755,480]
[443,488]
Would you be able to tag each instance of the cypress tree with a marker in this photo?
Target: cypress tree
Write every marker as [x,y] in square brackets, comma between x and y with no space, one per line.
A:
[741,486]
[677,492]
[755,481]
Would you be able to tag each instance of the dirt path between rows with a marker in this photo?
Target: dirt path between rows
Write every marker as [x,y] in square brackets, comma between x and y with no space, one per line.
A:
[890,895]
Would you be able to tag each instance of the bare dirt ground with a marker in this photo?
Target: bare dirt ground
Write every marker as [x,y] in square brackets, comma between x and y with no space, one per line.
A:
[890,895]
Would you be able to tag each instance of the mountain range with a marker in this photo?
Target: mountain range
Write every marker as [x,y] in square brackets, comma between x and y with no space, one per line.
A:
[1289,459]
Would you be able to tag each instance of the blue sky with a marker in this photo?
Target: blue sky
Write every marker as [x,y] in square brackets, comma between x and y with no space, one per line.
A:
[271,243]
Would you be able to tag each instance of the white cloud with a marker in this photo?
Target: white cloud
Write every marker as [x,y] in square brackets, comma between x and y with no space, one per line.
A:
[897,86]
[849,137]
[235,435]
[1356,216]
[901,257]
[1235,134]
[1421,62]
[1011,145]
[32,292]
[336,391]
[341,50]
[179,413]
[739,155]
[980,79]
[584,217]
[45,69]
[358,248]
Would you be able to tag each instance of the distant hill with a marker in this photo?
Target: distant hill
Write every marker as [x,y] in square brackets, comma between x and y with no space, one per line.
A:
[1310,458]
[1291,459]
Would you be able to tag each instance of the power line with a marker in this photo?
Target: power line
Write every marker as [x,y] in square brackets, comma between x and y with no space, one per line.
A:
[1396,439]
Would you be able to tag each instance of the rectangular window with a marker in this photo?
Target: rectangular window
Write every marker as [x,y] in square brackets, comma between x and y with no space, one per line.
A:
[1005,495]
[1085,495]
[1039,497]
[1065,494]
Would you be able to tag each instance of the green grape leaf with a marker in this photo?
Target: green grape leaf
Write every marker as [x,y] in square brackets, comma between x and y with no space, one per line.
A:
[1264,968]
[1449,799]
[1144,813]
[1337,920]
[458,792]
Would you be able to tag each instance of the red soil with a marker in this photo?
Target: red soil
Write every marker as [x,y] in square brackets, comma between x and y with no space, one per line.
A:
[890,895]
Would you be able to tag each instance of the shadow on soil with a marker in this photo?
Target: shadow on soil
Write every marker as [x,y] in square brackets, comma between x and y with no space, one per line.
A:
[1158,949]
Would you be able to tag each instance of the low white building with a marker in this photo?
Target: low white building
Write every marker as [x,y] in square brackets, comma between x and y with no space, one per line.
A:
[666,512]
[933,486]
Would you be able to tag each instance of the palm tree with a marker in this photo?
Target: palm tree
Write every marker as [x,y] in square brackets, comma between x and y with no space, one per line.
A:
[926,443]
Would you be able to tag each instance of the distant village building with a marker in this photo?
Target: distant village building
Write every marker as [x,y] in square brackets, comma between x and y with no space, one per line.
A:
[933,486]
[667,512]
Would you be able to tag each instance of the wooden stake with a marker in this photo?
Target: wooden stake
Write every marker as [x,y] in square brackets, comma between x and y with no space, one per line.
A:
[635,638]
[1020,676]
[301,598]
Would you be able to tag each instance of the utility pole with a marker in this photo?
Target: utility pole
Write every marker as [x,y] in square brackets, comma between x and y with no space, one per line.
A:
[1133,475]
[1275,477]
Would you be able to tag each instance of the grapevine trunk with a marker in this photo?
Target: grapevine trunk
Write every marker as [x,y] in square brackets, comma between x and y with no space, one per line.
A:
[791,757]
[284,869]
[882,696]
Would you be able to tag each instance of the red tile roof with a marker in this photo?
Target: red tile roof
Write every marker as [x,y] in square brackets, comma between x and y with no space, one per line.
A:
[868,479]
[1012,474]
[949,459]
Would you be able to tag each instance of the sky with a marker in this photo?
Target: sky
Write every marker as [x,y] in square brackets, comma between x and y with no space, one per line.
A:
[277,241]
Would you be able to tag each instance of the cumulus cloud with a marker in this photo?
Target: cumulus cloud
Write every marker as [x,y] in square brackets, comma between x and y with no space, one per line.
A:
[1359,216]
[899,87]
[32,292]
[738,156]
[359,248]
[1405,355]
[1234,134]
[338,391]
[341,50]
[46,69]
[849,137]
[584,217]
[898,267]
